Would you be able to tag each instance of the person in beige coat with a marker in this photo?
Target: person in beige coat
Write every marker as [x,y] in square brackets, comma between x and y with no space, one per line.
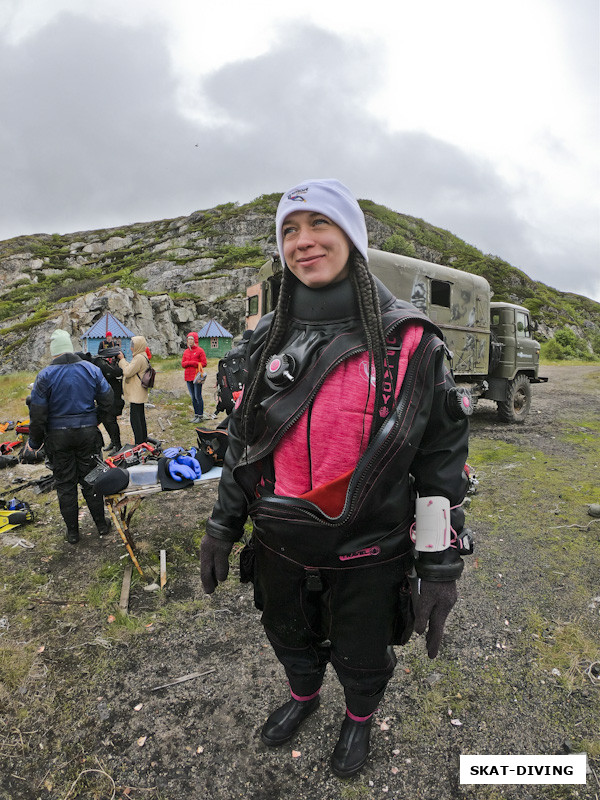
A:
[133,391]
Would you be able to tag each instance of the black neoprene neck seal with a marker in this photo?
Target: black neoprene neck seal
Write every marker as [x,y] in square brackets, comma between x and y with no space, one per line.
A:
[331,302]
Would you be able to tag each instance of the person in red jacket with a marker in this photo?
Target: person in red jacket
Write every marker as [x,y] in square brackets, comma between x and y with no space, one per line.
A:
[192,360]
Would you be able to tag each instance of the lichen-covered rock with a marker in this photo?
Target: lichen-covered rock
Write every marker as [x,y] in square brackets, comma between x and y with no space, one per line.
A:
[164,278]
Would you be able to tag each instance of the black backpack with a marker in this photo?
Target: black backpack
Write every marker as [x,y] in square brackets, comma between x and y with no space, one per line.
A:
[231,374]
[148,377]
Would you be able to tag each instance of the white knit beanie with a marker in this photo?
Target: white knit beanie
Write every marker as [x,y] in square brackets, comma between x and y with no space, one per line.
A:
[329,197]
[60,342]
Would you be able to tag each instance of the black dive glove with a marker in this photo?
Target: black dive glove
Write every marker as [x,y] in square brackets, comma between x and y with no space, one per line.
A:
[432,604]
[214,562]
[436,575]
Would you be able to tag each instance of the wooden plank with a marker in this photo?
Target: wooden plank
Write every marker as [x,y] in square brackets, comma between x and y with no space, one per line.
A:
[124,601]
[163,568]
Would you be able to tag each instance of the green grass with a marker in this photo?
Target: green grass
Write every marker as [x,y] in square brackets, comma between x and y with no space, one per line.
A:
[104,587]
[584,433]
[17,588]
[565,647]
[358,792]
[13,392]
[571,362]
[559,638]
[486,452]
[15,663]
[556,525]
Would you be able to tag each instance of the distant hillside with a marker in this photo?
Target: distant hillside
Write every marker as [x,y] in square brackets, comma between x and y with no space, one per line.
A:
[166,277]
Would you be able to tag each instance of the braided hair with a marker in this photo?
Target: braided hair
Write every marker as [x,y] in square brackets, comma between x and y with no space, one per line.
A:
[367,297]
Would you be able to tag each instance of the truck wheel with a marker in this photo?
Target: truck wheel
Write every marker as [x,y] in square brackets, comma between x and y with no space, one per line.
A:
[518,400]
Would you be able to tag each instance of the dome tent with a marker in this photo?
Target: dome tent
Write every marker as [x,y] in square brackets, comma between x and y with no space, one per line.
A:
[97,333]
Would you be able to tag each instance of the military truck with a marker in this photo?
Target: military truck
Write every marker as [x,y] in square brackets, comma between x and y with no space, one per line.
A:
[492,349]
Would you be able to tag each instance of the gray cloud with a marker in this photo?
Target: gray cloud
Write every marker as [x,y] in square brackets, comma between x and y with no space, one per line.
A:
[92,136]
[580,31]
[90,127]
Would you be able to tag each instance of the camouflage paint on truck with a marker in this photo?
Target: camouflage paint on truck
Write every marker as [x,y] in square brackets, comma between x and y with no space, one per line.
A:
[458,302]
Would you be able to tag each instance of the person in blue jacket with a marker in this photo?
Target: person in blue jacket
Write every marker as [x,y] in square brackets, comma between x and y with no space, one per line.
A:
[63,416]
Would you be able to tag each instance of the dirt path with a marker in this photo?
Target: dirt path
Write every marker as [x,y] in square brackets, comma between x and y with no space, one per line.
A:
[84,719]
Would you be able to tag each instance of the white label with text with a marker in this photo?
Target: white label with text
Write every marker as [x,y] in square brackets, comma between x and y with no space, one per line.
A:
[523,769]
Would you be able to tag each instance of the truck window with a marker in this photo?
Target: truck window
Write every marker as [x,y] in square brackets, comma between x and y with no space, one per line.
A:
[252,308]
[495,318]
[440,293]
[523,324]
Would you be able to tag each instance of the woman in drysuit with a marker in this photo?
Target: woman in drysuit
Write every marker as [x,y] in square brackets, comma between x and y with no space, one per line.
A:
[348,413]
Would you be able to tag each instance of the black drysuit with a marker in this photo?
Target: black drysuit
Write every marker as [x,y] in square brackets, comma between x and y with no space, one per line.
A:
[335,588]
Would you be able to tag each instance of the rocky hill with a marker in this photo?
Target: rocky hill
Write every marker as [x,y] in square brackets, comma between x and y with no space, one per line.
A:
[164,278]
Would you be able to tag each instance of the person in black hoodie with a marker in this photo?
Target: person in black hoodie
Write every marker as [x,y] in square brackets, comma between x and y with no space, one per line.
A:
[107,361]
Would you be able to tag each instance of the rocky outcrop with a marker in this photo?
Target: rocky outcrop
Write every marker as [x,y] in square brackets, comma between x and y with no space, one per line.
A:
[164,278]
[114,243]
[163,321]
[18,268]
[170,277]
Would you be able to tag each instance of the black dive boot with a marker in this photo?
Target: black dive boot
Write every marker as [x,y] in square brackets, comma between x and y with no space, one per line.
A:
[283,723]
[72,536]
[352,749]
[103,527]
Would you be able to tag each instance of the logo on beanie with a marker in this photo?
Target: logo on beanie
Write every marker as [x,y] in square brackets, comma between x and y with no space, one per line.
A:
[297,195]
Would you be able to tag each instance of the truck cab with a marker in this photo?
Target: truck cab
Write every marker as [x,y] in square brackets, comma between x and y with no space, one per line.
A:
[516,364]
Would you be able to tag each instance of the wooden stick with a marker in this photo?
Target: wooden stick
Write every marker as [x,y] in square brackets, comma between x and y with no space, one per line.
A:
[124,601]
[123,536]
[189,677]
[581,527]
[163,568]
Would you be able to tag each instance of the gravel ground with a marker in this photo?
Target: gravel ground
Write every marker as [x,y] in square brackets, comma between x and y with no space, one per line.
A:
[86,721]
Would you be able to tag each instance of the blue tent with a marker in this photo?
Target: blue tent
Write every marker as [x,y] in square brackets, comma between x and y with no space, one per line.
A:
[94,335]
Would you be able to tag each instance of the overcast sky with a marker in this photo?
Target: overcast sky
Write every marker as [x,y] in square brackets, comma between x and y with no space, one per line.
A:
[479,116]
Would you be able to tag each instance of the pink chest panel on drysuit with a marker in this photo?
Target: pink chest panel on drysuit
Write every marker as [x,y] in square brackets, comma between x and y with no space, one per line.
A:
[330,437]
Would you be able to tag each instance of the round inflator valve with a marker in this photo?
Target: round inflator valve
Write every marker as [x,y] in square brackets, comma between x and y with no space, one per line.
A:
[459,403]
[280,370]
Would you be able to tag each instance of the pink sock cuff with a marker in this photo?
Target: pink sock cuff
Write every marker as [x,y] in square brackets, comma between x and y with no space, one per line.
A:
[359,719]
[304,698]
